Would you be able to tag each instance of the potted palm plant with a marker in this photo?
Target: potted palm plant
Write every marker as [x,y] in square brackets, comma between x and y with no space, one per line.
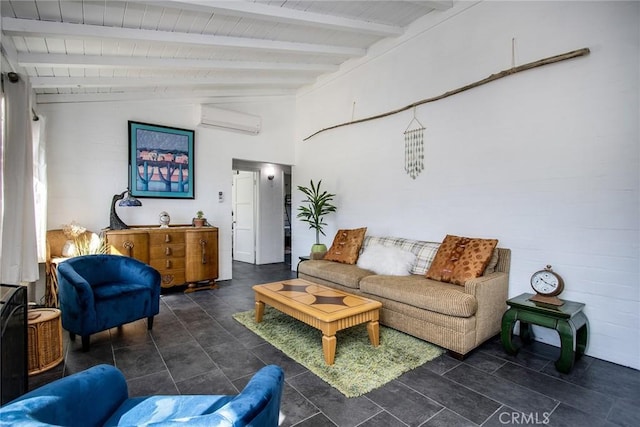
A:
[316,205]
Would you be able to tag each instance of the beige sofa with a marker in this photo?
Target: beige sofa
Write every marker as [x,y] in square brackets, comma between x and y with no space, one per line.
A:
[458,318]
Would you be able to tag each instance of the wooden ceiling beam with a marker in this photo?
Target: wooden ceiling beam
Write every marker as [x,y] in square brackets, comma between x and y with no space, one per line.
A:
[284,15]
[130,82]
[35,28]
[200,96]
[55,60]
[434,4]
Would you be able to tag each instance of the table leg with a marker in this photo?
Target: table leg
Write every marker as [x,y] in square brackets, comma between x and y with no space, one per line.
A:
[259,311]
[508,320]
[51,286]
[582,335]
[567,332]
[373,328]
[525,333]
[329,348]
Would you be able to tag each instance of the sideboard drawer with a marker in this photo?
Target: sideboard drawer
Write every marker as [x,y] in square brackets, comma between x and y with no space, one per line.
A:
[166,237]
[167,264]
[166,251]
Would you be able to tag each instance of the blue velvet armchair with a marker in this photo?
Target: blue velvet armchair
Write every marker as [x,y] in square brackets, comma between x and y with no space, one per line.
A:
[99,292]
[99,397]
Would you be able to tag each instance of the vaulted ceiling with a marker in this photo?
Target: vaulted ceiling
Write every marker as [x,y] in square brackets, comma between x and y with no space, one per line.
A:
[87,51]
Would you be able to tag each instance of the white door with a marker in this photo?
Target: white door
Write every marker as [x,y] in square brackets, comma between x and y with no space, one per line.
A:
[244,185]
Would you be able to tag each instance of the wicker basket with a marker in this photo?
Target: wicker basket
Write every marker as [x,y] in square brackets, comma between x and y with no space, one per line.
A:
[45,339]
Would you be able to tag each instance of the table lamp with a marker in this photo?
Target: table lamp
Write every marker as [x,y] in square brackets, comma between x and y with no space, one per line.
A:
[115,222]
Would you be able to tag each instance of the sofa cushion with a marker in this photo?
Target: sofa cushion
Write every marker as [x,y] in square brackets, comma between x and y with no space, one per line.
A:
[346,246]
[425,251]
[460,259]
[493,262]
[387,260]
[417,291]
[344,274]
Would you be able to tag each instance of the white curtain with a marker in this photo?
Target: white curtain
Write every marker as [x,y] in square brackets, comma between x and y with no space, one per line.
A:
[18,247]
[40,185]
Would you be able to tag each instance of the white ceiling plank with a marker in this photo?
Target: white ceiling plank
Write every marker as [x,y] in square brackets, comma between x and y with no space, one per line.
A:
[71,11]
[14,26]
[61,72]
[36,44]
[282,15]
[92,47]
[49,10]
[74,46]
[55,45]
[133,15]
[185,21]
[24,9]
[93,13]
[44,71]
[95,61]
[113,14]
[51,82]
[151,18]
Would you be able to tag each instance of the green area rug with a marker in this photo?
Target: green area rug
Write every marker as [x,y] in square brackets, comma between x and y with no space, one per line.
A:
[359,367]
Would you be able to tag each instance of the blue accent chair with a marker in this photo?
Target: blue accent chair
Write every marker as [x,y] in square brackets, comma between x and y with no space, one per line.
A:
[98,396]
[98,292]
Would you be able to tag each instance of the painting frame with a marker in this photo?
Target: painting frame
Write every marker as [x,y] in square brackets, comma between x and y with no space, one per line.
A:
[161,161]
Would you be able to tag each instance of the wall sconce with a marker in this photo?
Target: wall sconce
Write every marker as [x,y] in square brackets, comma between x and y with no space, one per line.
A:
[270,173]
[115,223]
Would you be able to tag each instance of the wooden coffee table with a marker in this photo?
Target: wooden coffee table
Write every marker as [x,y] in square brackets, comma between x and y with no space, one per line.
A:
[321,307]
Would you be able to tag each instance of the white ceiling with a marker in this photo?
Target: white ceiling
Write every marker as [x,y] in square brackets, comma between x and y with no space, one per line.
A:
[85,51]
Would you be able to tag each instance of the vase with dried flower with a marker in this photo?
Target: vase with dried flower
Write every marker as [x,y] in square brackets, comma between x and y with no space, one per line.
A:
[81,242]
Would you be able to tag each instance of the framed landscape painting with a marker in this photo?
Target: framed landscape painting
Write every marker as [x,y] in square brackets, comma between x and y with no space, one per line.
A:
[160,161]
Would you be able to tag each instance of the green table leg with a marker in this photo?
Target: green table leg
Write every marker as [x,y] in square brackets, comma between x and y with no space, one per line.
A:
[525,333]
[567,332]
[509,319]
[583,333]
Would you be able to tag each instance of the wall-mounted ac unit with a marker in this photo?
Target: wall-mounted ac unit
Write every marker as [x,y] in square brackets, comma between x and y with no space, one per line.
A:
[230,120]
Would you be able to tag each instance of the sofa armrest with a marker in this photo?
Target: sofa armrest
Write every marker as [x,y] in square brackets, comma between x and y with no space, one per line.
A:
[257,405]
[491,292]
[83,399]
[76,294]
[134,271]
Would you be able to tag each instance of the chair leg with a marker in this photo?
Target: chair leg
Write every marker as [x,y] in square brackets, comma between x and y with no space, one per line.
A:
[85,343]
[149,323]
[72,336]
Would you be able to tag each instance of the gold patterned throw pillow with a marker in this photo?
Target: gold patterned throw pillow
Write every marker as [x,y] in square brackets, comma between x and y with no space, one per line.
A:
[346,246]
[460,259]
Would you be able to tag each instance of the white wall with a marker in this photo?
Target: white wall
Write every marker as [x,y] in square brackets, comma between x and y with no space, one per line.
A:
[87,147]
[546,161]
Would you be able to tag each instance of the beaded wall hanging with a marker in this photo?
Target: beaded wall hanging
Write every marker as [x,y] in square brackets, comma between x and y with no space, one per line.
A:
[414,147]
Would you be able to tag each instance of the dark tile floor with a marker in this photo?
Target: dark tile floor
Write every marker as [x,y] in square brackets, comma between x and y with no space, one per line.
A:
[196,347]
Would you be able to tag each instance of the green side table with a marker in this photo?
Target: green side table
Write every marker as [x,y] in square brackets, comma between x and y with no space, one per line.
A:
[568,319]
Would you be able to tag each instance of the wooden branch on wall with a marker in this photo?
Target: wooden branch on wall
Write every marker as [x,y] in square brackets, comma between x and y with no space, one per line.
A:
[493,77]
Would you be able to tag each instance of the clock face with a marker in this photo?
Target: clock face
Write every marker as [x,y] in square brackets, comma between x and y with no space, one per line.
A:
[546,283]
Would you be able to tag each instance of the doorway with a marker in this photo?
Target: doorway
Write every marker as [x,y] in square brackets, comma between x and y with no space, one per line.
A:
[261,212]
[243,202]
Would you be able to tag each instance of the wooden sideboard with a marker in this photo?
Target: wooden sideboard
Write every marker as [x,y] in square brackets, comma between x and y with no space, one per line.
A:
[182,255]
